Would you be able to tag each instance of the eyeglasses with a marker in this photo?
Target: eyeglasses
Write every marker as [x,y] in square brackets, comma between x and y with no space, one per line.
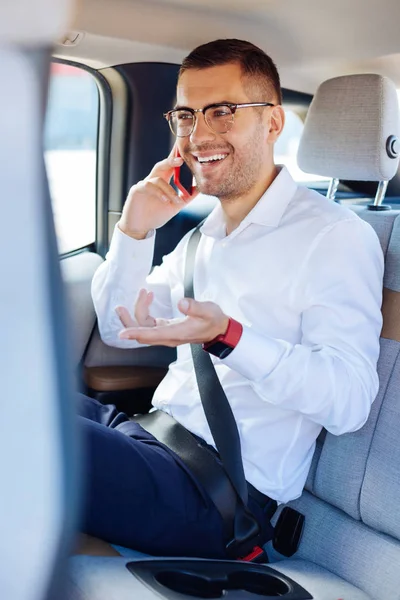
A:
[218,117]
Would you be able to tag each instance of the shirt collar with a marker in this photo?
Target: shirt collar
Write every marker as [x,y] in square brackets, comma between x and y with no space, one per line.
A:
[268,211]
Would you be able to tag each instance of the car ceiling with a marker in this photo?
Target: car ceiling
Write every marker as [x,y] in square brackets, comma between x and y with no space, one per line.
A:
[310,40]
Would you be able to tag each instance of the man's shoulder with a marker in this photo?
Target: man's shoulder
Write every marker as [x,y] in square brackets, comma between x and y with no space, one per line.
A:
[314,209]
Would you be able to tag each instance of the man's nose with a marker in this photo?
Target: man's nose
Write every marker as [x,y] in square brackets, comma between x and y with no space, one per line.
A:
[201,132]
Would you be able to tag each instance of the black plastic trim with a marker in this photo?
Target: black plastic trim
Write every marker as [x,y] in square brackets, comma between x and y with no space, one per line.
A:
[89,248]
[194,578]
[151,91]
[296,98]
[379,208]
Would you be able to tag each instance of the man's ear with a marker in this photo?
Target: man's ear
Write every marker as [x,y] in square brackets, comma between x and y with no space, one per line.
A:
[276,124]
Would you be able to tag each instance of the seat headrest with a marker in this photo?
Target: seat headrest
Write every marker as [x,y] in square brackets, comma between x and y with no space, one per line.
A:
[352,129]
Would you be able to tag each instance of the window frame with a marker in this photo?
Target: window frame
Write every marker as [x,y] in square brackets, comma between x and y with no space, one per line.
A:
[103,146]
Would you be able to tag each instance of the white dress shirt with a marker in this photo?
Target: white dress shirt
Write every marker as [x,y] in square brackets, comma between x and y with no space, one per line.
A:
[304,277]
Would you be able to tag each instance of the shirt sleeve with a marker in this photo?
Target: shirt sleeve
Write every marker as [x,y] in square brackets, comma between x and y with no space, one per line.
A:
[330,375]
[120,277]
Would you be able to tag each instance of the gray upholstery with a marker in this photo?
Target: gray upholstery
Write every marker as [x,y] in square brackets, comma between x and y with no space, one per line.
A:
[341,468]
[344,135]
[321,584]
[392,271]
[77,272]
[349,549]
[380,493]
[104,578]
[382,223]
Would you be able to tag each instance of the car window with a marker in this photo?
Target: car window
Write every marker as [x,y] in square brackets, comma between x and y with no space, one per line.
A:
[70,149]
[287,146]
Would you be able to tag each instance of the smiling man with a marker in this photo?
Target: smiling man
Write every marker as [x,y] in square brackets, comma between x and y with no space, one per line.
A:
[229,161]
[286,281]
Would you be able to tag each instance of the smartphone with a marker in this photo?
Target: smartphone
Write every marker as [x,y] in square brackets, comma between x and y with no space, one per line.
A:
[183,180]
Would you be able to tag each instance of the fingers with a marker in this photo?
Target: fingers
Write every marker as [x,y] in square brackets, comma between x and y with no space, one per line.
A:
[208,313]
[166,333]
[202,310]
[165,168]
[142,308]
[159,189]
[167,190]
[125,317]
[142,316]
[204,321]
[162,173]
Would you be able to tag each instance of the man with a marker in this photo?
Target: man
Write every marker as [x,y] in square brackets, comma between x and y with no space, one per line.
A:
[299,279]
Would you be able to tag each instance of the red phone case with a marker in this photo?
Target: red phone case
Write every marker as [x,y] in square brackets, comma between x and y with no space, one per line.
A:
[185,194]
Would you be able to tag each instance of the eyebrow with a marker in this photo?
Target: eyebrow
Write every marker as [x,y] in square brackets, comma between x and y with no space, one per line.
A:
[179,107]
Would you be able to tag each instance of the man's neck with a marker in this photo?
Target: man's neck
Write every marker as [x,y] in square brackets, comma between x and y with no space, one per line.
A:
[236,209]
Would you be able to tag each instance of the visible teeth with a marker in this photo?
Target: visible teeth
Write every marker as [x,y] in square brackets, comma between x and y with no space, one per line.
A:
[209,158]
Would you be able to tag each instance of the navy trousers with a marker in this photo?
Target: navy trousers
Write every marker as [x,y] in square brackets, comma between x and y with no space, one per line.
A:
[139,494]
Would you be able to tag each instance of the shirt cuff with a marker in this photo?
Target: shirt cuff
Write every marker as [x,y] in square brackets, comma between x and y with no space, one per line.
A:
[124,249]
[256,355]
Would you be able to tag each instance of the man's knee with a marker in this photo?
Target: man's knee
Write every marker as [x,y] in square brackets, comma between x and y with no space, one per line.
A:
[105,414]
[85,406]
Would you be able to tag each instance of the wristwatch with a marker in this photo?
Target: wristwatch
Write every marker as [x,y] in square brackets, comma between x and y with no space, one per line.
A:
[223,344]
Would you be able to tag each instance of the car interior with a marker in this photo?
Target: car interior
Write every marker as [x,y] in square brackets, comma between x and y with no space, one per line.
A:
[85,89]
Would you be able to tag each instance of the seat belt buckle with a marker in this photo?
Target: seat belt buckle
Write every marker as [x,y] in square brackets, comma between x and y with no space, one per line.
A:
[246,533]
[257,555]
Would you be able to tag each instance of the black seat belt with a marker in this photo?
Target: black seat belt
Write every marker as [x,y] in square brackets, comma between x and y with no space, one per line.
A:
[222,424]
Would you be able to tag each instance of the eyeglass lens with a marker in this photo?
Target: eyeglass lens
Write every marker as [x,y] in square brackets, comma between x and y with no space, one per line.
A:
[218,118]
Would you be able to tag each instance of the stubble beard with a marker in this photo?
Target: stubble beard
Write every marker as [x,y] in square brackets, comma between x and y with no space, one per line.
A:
[242,175]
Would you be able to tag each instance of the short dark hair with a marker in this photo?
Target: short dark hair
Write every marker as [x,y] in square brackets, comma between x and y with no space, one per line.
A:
[254,62]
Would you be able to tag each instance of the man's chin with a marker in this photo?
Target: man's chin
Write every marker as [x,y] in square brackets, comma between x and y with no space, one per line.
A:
[209,188]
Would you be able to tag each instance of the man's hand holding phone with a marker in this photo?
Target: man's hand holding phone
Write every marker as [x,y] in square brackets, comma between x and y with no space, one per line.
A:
[153,202]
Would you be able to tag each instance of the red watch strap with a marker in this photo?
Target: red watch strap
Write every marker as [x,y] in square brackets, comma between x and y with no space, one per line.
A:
[231,336]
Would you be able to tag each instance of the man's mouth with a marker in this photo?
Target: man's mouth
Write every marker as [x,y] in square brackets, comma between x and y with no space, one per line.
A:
[210,159]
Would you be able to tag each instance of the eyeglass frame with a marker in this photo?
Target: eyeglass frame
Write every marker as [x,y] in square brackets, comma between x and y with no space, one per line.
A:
[233,108]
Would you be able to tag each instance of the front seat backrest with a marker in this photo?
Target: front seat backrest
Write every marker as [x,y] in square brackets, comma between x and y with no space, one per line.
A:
[37,485]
